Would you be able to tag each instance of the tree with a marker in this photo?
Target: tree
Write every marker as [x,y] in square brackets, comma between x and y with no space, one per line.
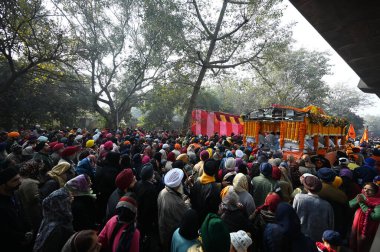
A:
[167,101]
[344,101]
[29,37]
[342,98]
[122,51]
[295,78]
[162,104]
[218,37]
[44,100]
[373,123]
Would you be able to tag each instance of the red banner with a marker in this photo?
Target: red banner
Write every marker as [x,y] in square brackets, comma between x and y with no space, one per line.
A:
[207,123]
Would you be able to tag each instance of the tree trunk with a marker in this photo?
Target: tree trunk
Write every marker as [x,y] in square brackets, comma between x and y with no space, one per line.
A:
[111,122]
[202,73]
[193,98]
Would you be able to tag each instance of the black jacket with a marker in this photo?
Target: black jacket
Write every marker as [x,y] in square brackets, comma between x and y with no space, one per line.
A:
[205,198]
[84,216]
[147,217]
[12,225]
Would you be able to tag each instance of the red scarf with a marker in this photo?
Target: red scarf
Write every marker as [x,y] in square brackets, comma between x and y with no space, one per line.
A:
[321,247]
[371,203]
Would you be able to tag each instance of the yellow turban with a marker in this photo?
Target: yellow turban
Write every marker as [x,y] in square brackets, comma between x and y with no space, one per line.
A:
[90,143]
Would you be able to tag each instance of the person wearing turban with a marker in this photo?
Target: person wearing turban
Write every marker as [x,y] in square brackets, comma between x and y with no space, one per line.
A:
[263,184]
[171,206]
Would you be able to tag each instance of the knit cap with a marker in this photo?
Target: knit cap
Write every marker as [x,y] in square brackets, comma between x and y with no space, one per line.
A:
[127,202]
[240,240]
[215,234]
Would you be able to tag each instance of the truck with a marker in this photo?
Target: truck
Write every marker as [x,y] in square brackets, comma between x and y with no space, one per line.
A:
[297,130]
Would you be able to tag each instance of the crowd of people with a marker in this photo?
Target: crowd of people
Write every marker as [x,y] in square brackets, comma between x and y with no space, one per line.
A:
[130,190]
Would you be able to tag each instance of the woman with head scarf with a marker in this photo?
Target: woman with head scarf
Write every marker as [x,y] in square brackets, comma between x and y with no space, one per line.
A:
[187,234]
[367,217]
[83,203]
[263,214]
[240,184]
[87,166]
[64,170]
[285,234]
[56,226]
[120,233]
[232,213]
[285,187]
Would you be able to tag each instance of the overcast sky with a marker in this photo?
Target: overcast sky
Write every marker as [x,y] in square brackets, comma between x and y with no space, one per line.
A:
[306,36]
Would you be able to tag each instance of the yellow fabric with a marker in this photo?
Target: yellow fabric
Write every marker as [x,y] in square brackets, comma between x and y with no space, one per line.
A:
[352,166]
[209,150]
[240,183]
[58,171]
[206,179]
[183,157]
[223,118]
[337,182]
[224,191]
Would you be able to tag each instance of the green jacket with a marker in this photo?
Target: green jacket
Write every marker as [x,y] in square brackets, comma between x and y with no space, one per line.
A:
[261,186]
[375,215]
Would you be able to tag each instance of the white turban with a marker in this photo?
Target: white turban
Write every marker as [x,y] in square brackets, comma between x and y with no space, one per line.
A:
[230,163]
[239,153]
[173,178]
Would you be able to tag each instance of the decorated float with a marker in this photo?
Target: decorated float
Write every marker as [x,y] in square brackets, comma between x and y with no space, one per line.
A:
[295,126]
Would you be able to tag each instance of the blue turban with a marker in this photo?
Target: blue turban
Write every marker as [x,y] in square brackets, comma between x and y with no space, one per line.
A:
[326,174]
[266,169]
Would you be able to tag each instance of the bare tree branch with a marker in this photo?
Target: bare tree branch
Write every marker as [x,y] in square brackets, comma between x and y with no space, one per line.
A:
[201,20]
[229,34]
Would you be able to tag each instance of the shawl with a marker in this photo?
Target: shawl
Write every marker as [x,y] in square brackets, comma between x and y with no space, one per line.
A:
[57,173]
[371,203]
[56,212]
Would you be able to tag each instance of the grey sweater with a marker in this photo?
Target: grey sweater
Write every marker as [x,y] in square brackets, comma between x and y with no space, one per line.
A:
[316,215]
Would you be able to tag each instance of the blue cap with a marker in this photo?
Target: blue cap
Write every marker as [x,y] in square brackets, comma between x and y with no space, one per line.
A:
[326,174]
[332,237]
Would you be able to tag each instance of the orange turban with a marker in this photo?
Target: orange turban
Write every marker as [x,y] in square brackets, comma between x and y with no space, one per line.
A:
[13,134]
